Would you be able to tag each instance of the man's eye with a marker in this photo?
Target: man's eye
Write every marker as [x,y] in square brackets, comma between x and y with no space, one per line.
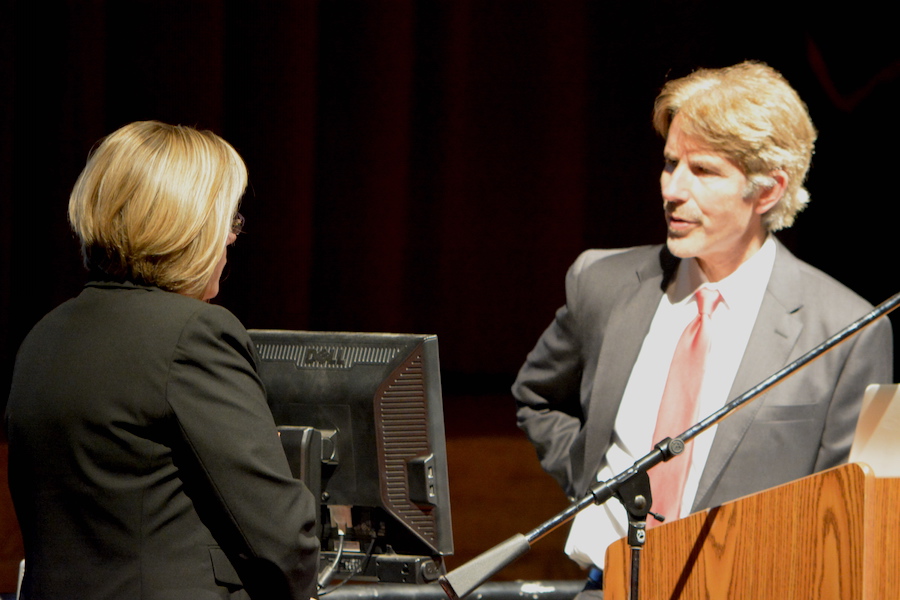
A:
[669,165]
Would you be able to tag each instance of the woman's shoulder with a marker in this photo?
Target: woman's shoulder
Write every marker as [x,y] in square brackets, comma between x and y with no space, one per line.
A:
[150,311]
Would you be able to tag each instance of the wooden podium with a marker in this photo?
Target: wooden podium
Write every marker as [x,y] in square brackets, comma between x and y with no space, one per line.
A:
[833,535]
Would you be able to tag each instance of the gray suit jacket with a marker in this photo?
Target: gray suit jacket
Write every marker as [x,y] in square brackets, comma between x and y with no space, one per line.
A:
[569,389]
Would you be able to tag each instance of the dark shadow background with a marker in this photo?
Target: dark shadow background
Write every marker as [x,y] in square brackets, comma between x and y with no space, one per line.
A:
[430,166]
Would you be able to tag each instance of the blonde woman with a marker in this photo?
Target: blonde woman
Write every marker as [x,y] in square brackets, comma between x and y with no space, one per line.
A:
[144,461]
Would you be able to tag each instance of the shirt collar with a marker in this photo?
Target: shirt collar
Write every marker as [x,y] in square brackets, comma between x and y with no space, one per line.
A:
[748,280]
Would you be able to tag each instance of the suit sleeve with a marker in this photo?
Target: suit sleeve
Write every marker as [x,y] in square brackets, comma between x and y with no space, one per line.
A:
[870,361]
[263,519]
[547,389]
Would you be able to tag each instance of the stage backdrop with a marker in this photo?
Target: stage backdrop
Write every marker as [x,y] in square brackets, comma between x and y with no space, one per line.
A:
[430,167]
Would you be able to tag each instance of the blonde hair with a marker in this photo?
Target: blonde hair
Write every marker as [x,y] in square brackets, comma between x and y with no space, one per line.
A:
[156,203]
[750,113]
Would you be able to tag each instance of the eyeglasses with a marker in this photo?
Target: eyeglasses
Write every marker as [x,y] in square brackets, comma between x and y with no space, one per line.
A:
[237,225]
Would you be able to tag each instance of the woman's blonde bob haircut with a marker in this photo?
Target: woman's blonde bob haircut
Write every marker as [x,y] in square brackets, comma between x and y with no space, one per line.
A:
[752,115]
[156,202]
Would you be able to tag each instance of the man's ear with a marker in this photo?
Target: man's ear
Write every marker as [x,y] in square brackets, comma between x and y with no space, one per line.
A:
[770,195]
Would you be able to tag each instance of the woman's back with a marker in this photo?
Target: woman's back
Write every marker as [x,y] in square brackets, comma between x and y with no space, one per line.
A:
[141,446]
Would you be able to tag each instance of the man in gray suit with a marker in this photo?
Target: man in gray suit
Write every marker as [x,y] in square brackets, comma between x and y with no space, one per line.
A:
[738,146]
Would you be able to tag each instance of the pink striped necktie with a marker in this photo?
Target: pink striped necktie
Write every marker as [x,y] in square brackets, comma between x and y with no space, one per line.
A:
[679,407]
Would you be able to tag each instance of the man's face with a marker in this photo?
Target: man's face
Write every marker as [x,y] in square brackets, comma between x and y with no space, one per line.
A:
[707,214]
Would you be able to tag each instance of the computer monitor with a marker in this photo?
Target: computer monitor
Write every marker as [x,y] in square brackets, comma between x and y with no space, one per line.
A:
[361,419]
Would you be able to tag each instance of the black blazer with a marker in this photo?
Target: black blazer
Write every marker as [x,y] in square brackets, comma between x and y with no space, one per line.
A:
[144,461]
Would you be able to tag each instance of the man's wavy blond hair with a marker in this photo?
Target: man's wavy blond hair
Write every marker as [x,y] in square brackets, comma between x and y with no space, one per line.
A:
[751,114]
[156,202]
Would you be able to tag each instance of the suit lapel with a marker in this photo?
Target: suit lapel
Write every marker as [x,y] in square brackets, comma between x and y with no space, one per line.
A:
[629,321]
[769,348]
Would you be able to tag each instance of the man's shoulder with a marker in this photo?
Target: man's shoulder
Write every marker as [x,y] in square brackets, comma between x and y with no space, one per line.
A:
[604,278]
[611,260]
[798,281]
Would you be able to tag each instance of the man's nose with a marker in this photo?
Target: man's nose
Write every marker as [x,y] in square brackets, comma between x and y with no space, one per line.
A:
[673,184]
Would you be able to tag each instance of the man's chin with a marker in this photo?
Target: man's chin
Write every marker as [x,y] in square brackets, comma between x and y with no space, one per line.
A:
[680,246]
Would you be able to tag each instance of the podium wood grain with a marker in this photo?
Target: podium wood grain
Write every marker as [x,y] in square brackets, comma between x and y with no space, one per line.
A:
[830,536]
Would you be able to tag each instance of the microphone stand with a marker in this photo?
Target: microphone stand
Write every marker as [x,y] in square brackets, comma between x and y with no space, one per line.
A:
[465,578]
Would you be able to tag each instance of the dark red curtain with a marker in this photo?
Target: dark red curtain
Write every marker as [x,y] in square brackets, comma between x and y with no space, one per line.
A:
[424,166]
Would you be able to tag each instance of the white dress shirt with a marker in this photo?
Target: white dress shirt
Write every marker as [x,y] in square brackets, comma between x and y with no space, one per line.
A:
[596,527]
